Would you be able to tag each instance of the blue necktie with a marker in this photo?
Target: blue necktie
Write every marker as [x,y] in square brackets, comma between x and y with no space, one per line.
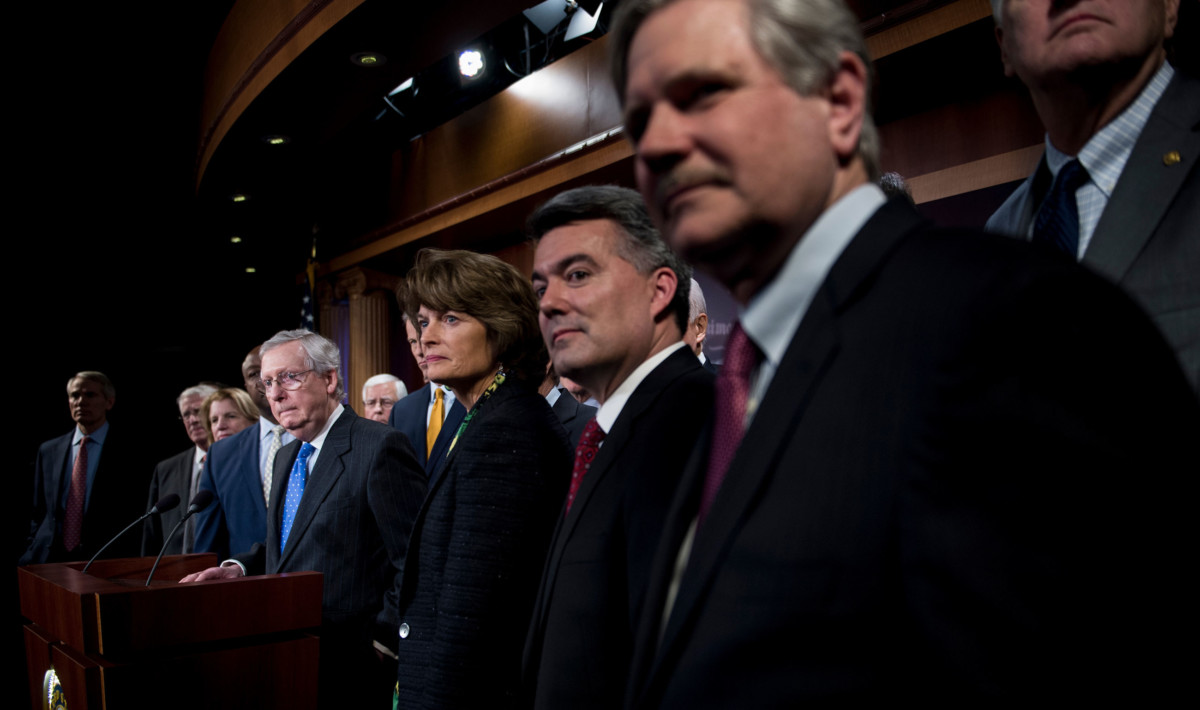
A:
[1058,219]
[295,489]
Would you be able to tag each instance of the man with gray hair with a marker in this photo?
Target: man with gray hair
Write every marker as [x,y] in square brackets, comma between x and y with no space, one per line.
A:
[888,504]
[180,475]
[697,327]
[613,308]
[1117,188]
[86,487]
[379,394]
[343,501]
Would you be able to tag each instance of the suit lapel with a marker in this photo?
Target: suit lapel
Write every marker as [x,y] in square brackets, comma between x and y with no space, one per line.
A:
[813,348]
[321,480]
[449,428]
[1149,182]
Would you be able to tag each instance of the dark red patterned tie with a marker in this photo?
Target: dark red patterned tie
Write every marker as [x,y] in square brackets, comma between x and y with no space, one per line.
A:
[585,453]
[733,389]
[73,525]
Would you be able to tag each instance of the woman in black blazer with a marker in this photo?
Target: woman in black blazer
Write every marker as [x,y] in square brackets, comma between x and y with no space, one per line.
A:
[479,542]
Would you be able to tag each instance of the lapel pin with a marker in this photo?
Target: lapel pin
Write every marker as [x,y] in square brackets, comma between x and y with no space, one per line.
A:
[1171,157]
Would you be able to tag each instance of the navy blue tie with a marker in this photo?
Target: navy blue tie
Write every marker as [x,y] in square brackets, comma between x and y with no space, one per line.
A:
[295,489]
[1058,219]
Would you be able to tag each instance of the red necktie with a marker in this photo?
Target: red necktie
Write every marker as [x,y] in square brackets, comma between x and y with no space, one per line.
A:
[585,453]
[732,391]
[73,525]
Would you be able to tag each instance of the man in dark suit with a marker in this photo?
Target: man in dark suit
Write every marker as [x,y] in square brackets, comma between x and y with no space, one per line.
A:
[928,448]
[343,499]
[412,414]
[613,310]
[85,488]
[236,471]
[179,475]
[1112,103]
[573,414]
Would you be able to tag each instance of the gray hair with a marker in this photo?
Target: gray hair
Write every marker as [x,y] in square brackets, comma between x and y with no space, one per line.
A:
[201,390]
[106,385]
[320,353]
[801,39]
[642,245]
[401,390]
[696,304]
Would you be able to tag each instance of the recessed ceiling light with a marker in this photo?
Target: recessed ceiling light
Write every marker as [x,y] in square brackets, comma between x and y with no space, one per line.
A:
[250,269]
[369,59]
[276,140]
[235,240]
[238,197]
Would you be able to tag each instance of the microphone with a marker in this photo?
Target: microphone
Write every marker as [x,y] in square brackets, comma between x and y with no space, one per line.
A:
[167,502]
[200,501]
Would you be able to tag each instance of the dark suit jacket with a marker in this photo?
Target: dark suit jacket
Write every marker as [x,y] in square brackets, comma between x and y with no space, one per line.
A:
[118,491]
[573,415]
[1147,239]
[963,484]
[237,517]
[173,475]
[581,639]
[476,553]
[408,415]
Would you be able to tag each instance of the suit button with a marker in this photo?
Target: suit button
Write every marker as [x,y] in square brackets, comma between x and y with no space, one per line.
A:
[403,631]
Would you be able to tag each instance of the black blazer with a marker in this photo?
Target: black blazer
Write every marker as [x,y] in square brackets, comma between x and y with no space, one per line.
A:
[408,415]
[476,554]
[934,500]
[581,639]
[573,415]
[173,475]
[118,491]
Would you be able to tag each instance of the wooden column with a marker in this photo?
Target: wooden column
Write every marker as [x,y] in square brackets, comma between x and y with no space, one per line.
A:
[370,295]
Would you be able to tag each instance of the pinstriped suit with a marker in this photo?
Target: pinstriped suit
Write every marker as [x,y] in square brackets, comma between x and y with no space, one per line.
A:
[352,525]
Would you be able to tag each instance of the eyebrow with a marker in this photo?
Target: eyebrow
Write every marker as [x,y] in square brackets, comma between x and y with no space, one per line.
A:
[563,263]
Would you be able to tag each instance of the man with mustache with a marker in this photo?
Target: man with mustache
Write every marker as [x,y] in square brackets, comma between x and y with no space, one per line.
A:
[1121,151]
[614,305]
[912,489]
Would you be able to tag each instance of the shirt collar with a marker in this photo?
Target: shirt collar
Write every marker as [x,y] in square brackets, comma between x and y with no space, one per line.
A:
[198,455]
[96,436]
[1105,154]
[447,395]
[774,314]
[553,395]
[611,409]
[319,440]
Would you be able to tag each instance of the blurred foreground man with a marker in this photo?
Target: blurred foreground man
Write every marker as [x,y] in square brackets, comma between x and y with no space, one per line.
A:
[85,487]
[942,467]
[613,307]
[342,504]
[1117,187]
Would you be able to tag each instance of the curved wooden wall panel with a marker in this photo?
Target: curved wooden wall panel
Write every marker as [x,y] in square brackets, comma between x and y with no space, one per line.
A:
[257,41]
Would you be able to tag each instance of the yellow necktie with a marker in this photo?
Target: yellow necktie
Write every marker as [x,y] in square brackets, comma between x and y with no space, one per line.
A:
[435,422]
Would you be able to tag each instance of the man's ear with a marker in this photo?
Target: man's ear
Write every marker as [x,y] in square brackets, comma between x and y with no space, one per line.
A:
[847,95]
[665,282]
[1008,71]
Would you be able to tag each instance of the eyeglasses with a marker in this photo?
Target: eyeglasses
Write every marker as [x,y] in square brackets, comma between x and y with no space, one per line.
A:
[384,402]
[189,414]
[287,380]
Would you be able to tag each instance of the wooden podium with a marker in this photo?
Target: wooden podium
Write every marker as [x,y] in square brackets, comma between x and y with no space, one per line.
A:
[116,644]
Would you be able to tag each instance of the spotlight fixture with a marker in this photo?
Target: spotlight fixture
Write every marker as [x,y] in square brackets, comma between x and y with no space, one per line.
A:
[549,14]
[470,63]
[369,59]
